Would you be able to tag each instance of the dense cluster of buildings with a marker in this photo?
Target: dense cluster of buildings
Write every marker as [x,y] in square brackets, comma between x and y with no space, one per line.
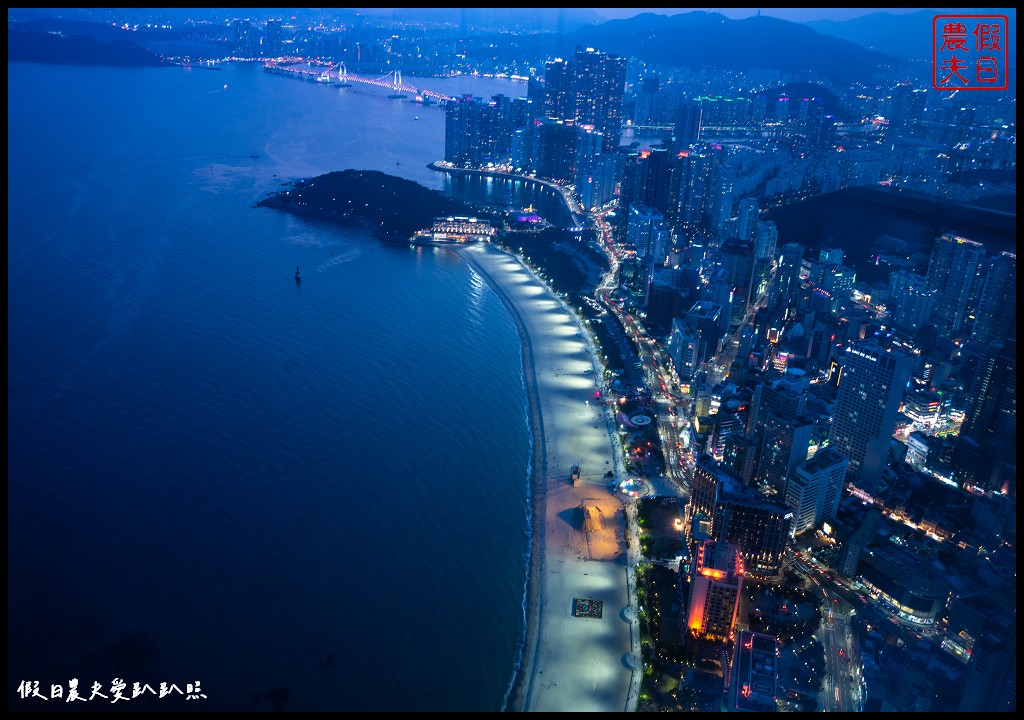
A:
[875,423]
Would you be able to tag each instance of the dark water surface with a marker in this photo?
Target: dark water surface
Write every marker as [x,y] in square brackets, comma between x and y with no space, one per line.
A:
[308,496]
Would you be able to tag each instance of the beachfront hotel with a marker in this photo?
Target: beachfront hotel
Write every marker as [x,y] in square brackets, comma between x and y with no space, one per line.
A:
[715,591]
[455,229]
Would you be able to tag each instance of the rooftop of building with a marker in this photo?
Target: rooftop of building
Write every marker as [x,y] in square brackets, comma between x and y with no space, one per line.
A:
[822,459]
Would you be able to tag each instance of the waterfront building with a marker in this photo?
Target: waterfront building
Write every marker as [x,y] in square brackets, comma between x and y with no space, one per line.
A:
[459,128]
[272,41]
[715,591]
[245,39]
[455,229]
[871,387]
[595,178]
[555,150]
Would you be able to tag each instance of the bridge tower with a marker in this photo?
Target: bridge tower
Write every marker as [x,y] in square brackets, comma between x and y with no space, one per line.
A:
[343,77]
[396,87]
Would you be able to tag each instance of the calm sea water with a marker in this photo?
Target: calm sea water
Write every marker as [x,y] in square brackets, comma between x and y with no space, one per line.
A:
[305,496]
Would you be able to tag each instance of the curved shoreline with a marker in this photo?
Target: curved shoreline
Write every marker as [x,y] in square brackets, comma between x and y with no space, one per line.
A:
[578,217]
[516,698]
[568,662]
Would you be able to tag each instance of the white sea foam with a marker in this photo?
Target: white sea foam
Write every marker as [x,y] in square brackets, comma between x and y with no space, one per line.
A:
[347,256]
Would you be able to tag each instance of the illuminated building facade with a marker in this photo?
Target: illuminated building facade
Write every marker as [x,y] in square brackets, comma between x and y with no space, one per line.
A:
[455,229]
[997,311]
[912,586]
[715,591]
[954,272]
[599,85]
[759,527]
[868,400]
[787,280]
[816,488]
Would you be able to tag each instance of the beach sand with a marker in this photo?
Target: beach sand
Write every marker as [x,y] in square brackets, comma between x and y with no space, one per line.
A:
[569,663]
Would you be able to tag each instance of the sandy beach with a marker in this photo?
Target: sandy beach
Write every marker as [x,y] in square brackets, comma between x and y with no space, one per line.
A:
[581,638]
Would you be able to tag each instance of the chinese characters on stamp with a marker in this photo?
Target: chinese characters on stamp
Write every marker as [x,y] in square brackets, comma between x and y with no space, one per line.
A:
[970,52]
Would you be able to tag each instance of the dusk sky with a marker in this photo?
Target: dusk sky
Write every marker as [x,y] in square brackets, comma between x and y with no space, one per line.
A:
[792,14]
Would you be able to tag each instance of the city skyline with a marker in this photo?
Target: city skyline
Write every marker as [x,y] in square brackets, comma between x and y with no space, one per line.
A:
[372,362]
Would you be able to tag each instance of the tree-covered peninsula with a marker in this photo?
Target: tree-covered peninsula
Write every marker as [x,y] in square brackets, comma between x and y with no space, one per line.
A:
[390,207]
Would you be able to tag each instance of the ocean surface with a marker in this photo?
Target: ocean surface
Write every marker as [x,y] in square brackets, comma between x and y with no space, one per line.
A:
[303,496]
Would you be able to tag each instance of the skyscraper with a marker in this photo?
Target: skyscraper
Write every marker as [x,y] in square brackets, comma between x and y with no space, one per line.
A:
[911,301]
[757,526]
[245,39]
[815,489]
[954,272]
[599,85]
[555,150]
[272,42]
[715,590]
[647,232]
[687,125]
[787,282]
[746,227]
[696,172]
[992,393]
[871,387]
[997,311]
[654,179]
[783,447]
[558,100]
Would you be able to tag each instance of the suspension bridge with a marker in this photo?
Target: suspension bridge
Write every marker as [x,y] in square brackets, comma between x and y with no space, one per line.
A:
[339,76]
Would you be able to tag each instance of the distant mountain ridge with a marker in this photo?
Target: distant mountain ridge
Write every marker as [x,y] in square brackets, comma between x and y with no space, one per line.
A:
[710,39]
[907,35]
[694,39]
[77,49]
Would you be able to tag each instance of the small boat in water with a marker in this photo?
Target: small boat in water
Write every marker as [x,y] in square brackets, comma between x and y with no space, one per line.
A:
[298,275]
